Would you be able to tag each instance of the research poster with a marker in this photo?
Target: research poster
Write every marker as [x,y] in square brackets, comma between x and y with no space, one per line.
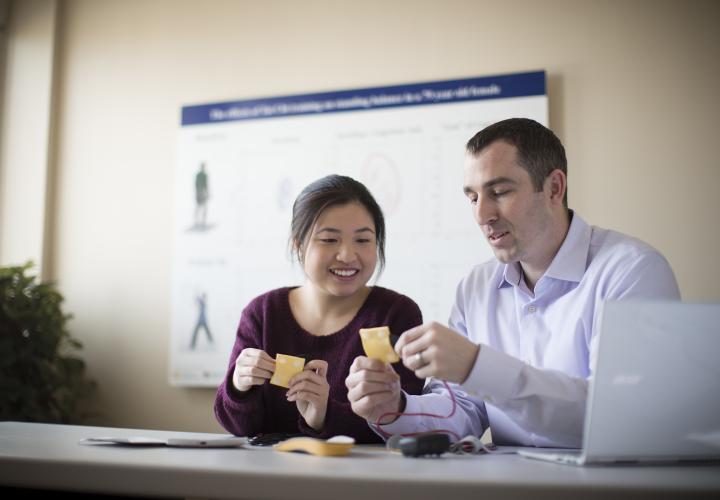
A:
[240,165]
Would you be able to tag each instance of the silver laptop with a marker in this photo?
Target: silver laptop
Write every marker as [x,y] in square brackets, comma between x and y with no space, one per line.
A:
[655,393]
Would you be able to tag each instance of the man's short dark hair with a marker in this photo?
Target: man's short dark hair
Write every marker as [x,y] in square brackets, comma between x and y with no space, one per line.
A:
[538,148]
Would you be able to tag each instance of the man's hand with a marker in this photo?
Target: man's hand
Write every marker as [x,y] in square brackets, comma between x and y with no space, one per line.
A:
[252,367]
[310,389]
[373,389]
[434,350]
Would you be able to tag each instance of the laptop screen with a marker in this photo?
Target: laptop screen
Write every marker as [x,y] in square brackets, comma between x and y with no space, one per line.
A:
[654,392]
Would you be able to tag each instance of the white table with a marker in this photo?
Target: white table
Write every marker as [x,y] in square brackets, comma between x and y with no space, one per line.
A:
[45,456]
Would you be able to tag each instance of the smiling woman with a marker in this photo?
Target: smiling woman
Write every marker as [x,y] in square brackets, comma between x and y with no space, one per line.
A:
[338,236]
[339,258]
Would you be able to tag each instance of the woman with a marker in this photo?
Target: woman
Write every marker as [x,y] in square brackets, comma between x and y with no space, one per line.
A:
[338,236]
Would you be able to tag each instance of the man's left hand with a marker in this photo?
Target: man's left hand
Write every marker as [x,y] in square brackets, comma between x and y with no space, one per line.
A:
[434,350]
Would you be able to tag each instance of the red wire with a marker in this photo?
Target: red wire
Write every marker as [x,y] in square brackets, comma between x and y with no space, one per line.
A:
[421,414]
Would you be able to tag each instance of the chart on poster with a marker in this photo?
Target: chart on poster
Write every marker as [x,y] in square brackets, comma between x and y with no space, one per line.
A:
[240,165]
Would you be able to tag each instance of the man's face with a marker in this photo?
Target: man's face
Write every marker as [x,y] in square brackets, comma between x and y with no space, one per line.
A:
[515,219]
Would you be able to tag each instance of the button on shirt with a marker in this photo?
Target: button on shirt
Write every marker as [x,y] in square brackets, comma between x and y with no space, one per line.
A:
[530,379]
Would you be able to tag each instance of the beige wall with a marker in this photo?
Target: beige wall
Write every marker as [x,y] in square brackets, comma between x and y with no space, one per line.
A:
[633,89]
[26,131]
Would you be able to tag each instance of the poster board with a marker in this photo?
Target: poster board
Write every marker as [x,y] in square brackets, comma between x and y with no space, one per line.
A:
[241,164]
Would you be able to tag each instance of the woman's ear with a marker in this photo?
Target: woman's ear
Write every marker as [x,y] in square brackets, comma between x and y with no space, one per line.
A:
[298,250]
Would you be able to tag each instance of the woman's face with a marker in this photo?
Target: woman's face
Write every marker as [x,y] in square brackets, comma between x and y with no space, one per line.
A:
[340,253]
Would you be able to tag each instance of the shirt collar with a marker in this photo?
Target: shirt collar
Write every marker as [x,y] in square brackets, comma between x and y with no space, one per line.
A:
[511,275]
[570,261]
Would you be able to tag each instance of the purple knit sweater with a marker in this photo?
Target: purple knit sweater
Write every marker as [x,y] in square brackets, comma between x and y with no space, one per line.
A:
[268,324]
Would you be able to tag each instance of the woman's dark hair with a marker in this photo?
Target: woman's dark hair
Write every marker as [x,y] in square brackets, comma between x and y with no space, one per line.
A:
[330,191]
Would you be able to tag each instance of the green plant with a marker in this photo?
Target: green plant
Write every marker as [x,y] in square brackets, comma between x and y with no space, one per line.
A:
[41,380]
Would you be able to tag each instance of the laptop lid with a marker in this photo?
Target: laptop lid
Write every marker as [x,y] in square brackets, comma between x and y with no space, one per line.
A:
[655,393]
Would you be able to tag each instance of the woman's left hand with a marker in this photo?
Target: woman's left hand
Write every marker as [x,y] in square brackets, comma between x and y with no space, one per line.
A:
[310,389]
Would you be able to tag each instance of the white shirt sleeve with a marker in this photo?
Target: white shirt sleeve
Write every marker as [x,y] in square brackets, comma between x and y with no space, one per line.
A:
[546,404]
[436,406]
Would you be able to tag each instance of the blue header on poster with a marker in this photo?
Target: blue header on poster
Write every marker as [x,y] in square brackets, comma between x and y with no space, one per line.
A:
[416,94]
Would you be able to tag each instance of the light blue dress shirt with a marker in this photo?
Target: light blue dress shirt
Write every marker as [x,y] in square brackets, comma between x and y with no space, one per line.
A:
[530,379]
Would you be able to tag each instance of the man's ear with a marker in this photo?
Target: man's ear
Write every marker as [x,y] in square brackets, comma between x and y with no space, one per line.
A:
[556,182]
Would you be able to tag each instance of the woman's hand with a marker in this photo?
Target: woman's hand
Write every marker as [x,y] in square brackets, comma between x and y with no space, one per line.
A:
[310,389]
[252,367]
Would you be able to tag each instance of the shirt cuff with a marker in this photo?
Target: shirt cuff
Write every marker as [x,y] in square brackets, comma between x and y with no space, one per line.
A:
[401,423]
[410,422]
[494,375]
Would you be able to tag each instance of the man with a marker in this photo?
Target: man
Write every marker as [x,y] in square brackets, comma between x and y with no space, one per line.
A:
[522,334]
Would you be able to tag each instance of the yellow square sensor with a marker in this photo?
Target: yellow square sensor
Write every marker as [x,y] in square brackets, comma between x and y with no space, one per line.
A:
[286,367]
[376,343]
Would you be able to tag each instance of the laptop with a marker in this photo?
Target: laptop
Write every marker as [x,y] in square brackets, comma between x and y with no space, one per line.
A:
[655,393]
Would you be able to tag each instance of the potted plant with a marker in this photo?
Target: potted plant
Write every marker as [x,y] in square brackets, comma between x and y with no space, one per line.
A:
[41,377]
